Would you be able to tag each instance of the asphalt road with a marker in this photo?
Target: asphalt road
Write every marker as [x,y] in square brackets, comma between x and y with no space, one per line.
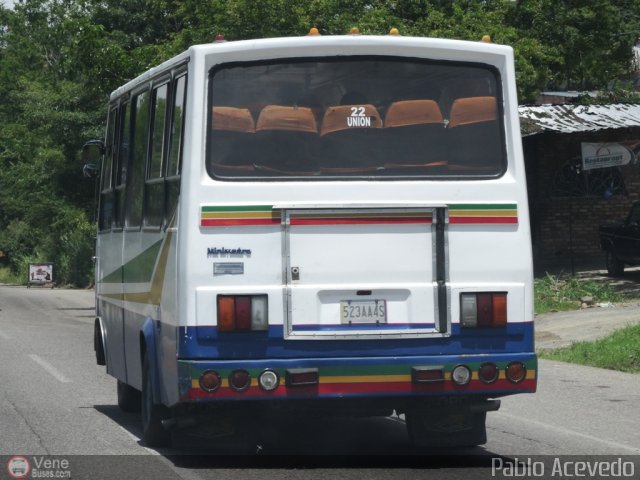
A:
[56,402]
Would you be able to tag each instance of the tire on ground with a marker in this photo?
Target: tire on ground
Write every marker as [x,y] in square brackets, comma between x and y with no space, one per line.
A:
[153,433]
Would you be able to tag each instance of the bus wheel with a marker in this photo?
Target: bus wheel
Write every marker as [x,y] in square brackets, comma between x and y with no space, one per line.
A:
[98,345]
[128,398]
[446,429]
[153,433]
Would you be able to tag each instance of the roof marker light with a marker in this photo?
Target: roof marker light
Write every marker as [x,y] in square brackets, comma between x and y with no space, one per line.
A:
[486,38]
[394,31]
[219,38]
[354,31]
[313,31]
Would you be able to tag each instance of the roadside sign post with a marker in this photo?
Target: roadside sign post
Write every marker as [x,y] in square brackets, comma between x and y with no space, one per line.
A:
[40,274]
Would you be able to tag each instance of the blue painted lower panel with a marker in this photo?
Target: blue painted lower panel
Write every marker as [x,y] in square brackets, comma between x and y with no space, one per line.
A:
[208,343]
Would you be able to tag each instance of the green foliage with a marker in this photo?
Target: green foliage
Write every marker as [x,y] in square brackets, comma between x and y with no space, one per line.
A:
[553,293]
[60,59]
[618,351]
[620,94]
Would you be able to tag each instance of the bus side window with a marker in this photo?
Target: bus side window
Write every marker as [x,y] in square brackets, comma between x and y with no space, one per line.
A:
[135,184]
[154,188]
[105,214]
[176,140]
[123,150]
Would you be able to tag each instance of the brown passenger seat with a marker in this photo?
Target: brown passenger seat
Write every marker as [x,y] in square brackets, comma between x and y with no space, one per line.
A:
[414,131]
[475,142]
[233,129]
[288,137]
[350,139]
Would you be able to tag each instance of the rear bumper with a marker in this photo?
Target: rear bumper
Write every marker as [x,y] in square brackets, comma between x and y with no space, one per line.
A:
[358,377]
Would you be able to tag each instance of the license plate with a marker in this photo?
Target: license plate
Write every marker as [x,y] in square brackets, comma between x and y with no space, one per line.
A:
[363,311]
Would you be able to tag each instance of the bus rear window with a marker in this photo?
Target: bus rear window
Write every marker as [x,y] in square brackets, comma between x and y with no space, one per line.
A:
[354,118]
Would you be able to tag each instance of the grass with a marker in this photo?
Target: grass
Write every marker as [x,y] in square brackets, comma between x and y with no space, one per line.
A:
[618,351]
[8,277]
[553,293]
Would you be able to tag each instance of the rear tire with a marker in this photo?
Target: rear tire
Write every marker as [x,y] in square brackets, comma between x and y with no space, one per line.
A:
[615,267]
[446,429]
[153,433]
[98,345]
[128,398]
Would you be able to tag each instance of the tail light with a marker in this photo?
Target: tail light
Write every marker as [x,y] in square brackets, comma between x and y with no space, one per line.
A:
[516,372]
[242,313]
[428,374]
[488,372]
[210,381]
[483,309]
[239,380]
[461,375]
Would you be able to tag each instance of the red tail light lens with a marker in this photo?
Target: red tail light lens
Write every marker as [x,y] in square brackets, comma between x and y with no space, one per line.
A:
[485,309]
[516,372]
[243,313]
[488,372]
[239,380]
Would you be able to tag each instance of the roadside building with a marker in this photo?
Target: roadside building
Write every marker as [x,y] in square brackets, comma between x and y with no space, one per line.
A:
[583,168]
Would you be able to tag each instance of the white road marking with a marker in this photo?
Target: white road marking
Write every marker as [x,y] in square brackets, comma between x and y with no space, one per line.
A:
[50,368]
[5,336]
[568,431]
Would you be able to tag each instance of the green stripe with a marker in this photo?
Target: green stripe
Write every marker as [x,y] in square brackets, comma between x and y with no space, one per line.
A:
[362,370]
[137,270]
[246,208]
[492,206]
[269,208]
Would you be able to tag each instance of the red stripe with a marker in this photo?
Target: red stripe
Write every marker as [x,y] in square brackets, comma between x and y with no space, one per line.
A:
[359,221]
[209,222]
[510,220]
[528,385]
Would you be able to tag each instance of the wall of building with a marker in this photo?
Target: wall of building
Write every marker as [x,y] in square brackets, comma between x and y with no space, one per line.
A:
[565,227]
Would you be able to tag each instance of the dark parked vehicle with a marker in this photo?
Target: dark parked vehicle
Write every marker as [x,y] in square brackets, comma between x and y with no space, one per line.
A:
[621,242]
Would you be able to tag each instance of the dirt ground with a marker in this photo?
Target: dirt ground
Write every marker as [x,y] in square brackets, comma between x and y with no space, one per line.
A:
[559,329]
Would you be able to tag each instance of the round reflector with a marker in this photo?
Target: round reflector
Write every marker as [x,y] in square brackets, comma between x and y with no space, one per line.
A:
[516,372]
[488,372]
[239,380]
[210,381]
[269,380]
[461,375]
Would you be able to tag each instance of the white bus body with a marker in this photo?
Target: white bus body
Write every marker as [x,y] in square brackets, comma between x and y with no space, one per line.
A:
[351,226]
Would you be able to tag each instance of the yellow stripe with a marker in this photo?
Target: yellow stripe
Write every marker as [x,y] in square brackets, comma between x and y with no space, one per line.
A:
[231,215]
[531,374]
[483,213]
[366,379]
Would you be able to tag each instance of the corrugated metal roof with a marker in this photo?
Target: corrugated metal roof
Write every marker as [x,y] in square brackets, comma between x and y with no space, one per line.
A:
[577,118]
